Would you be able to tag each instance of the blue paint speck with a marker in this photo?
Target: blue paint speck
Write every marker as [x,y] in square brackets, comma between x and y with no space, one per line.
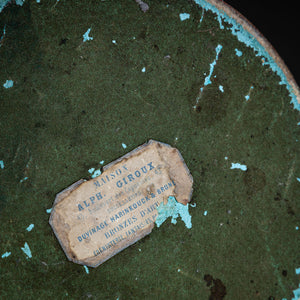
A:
[86,269]
[238,52]
[48,211]
[8,84]
[1,164]
[26,250]
[91,170]
[86,36]
[30,227]
[184,16]
[25,178]
[297,270]
[296,294]
[96,173]
[298,179]
[6,254]
[144,70]
[238,166]
[101,162]
[205,213]
[173,209]
[221,88]
[124,146]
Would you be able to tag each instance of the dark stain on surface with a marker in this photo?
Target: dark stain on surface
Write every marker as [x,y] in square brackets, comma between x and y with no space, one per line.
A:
[254,179]
[218,290]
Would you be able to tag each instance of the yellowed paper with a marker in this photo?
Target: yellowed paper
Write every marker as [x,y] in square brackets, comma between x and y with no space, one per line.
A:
[93,220]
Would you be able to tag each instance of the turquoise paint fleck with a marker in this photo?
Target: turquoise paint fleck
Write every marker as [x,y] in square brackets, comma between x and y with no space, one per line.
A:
[297,270]
[205,213]
[298,179]
[247,97]
[86,269]
[238,166]
[173,209]
[91,170]
[193,205]
[8,84]
[25,178]
[48,211]
[249,40]
[96,173]
[86,36]
[238,52]
[297,228]
[296,293]
[221,88]
[101,162]
[1,164]
[30,227]
[26,250]
[212,66]
[184,16]
[124,146]
[6,254]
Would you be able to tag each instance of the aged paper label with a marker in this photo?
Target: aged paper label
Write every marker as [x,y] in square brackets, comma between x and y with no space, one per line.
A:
[93,220]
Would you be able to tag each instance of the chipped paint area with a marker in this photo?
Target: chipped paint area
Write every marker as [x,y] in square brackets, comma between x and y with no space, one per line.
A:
[238,52]
[30,227]
[207,80]
[238,166]
[173,209]
[8,84]
[6,254]
[250,41]
[26,250]
[184,16]
[86,36]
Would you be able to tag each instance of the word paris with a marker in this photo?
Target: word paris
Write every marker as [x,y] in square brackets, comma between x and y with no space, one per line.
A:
[94,220]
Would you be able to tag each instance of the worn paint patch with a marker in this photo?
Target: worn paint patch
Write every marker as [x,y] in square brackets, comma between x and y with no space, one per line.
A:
[8,84]
[86,36]
[249,40]
[26,250]
[173,209]
[238,166]
[30,227]
[184,16]
[6,254]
